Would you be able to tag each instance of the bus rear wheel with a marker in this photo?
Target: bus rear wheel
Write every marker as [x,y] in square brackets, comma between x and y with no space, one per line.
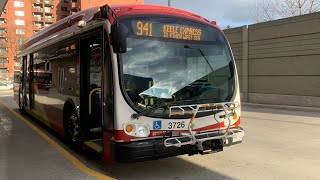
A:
[21,106]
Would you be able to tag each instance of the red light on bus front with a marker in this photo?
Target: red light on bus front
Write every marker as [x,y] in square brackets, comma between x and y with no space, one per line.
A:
[213,22]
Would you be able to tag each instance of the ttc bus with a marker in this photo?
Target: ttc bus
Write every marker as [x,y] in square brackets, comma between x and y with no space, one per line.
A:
[133,82]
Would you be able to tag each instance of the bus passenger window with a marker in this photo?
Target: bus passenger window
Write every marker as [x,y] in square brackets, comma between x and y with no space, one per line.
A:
[95,64]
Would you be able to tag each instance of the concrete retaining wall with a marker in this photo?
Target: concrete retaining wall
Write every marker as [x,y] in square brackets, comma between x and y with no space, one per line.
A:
[279,61]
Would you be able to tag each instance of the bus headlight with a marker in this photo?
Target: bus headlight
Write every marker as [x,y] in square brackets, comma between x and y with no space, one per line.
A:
[143,131]
[137,130]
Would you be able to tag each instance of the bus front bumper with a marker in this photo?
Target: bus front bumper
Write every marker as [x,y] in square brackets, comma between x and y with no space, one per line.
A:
[136,151]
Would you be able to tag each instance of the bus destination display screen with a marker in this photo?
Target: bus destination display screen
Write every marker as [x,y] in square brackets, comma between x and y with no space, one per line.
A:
[166,30]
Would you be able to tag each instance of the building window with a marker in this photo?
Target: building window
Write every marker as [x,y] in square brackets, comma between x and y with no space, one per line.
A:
[2,39]
[64,9]
[19,22]
[3,20]
[19,13]
[3,71]
[2,31]
[4,11]
[64,1]
[20,31]
[38,17]
[4,60]
[18,4]
[74,0]
[19,41]
[3,50]
[47,9]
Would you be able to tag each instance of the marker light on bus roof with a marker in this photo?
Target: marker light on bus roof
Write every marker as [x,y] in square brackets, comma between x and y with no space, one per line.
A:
[82,23]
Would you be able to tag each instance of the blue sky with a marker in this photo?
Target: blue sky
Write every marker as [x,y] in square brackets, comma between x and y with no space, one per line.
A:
[226,12]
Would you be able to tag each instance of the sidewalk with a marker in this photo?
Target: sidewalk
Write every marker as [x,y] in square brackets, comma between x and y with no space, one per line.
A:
[285,107]
[26,155]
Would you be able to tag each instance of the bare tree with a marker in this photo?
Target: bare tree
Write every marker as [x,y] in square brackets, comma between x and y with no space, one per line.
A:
[226,27]
[267,10]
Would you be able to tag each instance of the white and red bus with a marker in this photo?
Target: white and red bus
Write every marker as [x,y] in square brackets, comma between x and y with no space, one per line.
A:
[134,82]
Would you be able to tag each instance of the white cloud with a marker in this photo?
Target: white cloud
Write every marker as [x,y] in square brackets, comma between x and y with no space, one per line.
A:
[230,12]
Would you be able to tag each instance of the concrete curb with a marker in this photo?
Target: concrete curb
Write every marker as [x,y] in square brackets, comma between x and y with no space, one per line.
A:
[285,107]
[6,89]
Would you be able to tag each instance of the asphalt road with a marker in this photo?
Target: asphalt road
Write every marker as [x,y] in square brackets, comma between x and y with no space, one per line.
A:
[279,144]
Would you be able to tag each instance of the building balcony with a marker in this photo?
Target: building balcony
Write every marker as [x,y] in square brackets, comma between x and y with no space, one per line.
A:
[47,10]
[73,4]
[4,11]
[48,13]
[37,27]
[74,9]
[37,19]
[48,6]
[37,10]
[37,23]
[3,20]
[3,31]
[38,1]
[3,65]
[48,20]
[3,44]
[37,4]
[3,51]
[4,62]
[47,2]
[49,16]
[35,31]
[3,39]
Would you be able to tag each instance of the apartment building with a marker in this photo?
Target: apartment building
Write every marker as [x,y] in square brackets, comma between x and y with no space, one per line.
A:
[20,19]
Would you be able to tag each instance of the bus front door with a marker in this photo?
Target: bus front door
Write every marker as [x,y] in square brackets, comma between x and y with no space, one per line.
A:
[91,55]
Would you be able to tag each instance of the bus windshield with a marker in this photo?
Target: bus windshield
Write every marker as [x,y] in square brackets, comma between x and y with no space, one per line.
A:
[178,66]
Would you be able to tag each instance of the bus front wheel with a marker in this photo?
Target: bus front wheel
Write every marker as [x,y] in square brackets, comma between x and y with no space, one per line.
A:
[72,129]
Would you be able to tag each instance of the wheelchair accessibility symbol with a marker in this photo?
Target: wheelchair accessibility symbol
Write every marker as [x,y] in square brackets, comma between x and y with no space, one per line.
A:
[156,125]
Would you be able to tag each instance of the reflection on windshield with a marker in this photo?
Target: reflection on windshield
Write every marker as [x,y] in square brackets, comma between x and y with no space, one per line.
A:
[162,70]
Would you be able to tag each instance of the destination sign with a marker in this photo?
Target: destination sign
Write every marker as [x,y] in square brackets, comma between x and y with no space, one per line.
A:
[173,31]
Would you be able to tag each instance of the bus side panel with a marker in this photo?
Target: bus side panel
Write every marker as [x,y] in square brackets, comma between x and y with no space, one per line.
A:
[16,87]
[55,81]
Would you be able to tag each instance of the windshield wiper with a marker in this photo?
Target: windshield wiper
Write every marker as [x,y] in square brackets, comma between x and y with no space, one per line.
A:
[156,106]
[188,47]
[164,104]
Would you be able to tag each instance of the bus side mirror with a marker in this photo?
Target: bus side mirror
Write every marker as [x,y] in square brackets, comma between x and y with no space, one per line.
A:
[118,37]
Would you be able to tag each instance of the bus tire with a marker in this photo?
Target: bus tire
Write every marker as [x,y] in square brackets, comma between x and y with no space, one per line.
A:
[21,106]
[72,126]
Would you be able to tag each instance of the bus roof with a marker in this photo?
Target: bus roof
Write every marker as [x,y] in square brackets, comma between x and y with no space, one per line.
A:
[69,24]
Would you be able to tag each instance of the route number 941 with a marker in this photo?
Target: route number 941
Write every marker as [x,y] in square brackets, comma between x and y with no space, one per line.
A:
[176,125]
